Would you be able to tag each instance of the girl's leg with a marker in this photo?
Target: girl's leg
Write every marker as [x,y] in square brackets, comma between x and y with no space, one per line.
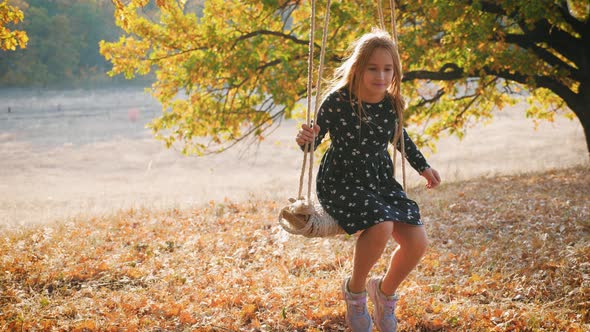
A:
[369,247]
[412,242]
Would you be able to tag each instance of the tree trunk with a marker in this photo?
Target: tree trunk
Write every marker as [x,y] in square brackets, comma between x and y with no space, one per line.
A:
[581,107]
[584,117]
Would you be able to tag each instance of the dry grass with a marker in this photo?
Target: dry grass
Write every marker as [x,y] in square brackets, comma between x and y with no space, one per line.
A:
[510,253]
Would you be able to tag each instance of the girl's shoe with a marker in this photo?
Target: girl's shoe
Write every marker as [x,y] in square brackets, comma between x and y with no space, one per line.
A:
[384,312]
[357,314]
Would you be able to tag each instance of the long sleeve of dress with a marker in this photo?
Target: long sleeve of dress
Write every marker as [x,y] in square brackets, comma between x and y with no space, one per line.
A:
[413,155]
[324,120]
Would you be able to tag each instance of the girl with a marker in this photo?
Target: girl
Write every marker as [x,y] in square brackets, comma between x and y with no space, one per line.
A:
[355,184]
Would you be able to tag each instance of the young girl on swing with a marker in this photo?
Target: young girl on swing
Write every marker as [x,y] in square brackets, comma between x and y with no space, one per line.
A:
[355,185]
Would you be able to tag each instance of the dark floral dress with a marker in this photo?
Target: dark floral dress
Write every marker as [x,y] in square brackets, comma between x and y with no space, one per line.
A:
[355,182]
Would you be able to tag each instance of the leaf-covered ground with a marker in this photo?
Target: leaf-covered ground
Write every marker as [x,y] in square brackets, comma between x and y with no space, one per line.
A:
[507,254]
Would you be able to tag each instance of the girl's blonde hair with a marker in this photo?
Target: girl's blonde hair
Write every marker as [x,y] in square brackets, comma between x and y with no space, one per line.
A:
[350,72]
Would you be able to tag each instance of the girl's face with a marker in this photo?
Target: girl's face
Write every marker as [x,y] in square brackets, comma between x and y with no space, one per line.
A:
[377,76]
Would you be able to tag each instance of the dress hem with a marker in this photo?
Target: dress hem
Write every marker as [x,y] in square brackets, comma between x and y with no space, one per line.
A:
[393,221]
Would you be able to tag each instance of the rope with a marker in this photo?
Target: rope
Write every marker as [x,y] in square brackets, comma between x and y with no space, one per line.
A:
[310,147]
[317,94]
[393,28]
[403,150]
[309,87]
[400,125]
[380,12]
[401,121]
[304,217]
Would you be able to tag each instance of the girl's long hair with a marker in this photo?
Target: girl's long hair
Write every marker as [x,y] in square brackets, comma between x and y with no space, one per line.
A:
[349,74]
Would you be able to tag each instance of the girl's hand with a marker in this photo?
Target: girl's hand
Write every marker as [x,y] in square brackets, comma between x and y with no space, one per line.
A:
[431,175]
[305,135]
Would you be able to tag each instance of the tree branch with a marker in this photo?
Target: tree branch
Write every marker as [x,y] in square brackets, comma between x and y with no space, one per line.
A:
[508,87]
[543,54]
[444,74]
[437,96]
[251,130]
[542,81]
[470,103]
[176,54]
[545,32]
[262,67]
[492,8]
[561,41]
[272,33]
[457,73]
[286,10]
[572,21]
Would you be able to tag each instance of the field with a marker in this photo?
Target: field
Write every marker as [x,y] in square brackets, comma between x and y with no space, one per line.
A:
[90,158]
[101,229]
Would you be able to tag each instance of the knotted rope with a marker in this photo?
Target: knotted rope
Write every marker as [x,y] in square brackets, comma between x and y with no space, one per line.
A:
[400,125]
[302,216]
[310,147]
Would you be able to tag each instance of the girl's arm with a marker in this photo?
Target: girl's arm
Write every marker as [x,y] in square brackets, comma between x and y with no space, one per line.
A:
[321,128]
[413,155]
[418,162]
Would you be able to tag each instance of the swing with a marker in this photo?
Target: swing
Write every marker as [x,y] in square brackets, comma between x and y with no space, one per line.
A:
[303,216]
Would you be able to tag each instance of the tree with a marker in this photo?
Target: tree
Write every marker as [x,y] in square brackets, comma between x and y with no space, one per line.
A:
[239,69]
[11,39]
[63,46]
[51,55]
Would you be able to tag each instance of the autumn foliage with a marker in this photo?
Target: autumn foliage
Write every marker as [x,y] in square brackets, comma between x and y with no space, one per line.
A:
[507,254]
[227,71]
[11,38]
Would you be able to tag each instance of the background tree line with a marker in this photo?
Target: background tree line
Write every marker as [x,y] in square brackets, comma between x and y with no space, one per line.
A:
[62,48]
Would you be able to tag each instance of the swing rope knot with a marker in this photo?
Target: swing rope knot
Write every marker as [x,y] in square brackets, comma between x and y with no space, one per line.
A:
[309,219]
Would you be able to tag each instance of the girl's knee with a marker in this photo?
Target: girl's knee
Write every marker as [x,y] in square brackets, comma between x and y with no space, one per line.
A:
[415,240]
[381,231]
[384,228]
[421,245]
